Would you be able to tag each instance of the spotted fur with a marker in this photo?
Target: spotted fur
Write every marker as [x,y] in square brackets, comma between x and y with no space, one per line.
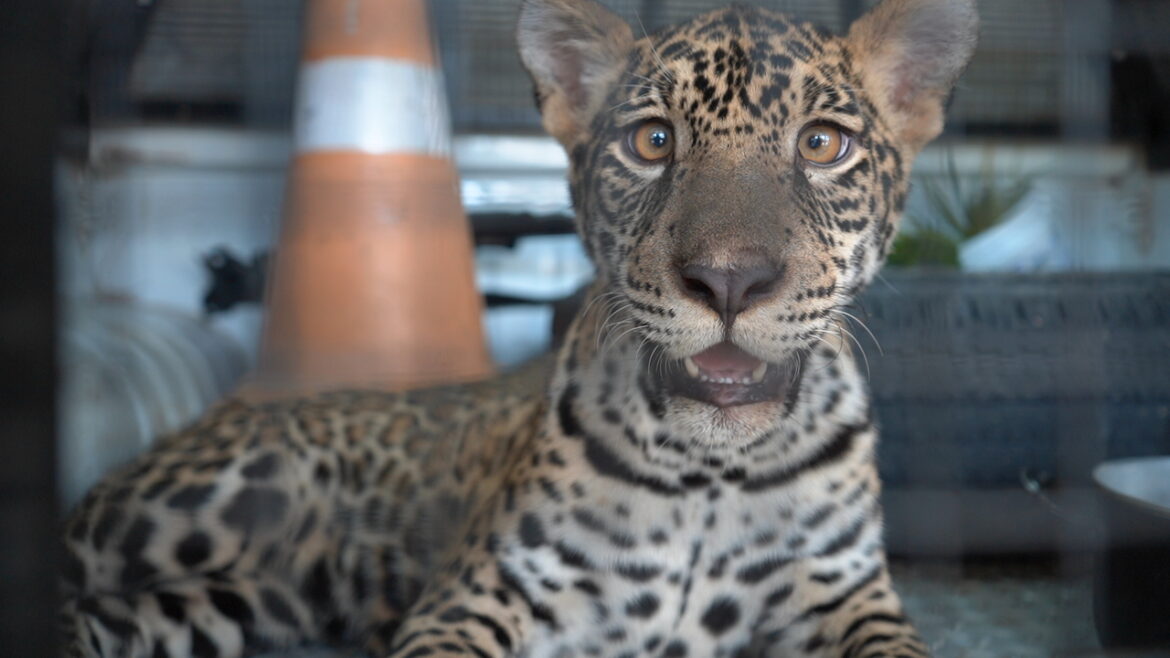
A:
[579,507]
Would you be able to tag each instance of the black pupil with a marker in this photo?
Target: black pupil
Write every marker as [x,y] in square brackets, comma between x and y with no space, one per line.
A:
[818,141]
[658,138]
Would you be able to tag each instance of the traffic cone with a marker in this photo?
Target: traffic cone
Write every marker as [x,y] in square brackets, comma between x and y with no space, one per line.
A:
[373,280]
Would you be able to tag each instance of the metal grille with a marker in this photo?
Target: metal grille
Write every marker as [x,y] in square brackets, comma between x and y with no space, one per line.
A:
[1015,77]
[487,86]
[243,53]
[192,50]
[982,377]
[1041,63]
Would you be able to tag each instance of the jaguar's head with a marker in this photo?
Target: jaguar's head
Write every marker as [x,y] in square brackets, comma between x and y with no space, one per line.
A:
[738,178]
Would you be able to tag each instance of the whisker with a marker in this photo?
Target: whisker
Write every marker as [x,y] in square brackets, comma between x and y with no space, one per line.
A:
[653,50]
[643,77]
[596,298]
[863,326]
[859,348]
[605,326]
[611,336]
[631,100]
[887,282]
[836,355]
[633,327]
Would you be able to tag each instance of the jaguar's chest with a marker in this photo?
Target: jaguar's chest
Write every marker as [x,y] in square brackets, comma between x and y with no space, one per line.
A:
[632,576]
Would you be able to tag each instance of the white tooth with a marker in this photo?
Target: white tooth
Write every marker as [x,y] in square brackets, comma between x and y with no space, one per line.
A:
[692,367]
[758,373]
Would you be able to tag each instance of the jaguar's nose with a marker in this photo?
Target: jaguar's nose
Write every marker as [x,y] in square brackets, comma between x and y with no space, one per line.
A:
[730,291]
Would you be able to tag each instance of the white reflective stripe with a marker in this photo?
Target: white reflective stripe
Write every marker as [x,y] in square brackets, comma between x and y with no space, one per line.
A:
[373,105]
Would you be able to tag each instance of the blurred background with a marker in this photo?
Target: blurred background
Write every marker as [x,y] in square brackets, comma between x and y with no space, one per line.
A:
[1017,344]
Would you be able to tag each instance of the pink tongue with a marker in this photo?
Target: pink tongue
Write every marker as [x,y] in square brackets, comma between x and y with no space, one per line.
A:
[726,360]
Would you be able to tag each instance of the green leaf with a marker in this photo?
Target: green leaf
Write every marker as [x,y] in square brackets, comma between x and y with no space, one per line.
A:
[925,247]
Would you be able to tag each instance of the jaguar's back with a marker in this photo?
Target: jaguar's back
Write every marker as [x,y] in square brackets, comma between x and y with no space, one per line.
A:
[314,514]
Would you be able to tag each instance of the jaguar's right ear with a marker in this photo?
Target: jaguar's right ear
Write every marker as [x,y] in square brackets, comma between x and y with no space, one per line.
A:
[574,50]
[911,53]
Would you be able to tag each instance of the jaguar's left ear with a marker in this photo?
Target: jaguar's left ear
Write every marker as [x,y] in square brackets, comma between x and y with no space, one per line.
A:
[910,53]
[574,50]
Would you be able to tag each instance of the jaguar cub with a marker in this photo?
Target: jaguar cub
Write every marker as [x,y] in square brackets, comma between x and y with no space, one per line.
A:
[693,475]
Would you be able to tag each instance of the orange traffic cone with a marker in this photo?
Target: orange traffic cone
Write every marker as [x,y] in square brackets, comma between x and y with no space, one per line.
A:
[373,278]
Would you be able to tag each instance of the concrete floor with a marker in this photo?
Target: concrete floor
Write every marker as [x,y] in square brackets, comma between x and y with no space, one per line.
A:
[1000,609]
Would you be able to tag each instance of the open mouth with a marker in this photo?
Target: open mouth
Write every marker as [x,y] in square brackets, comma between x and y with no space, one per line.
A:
[727,376]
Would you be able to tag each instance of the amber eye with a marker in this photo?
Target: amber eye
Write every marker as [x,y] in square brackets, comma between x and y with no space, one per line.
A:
[822,144]
[652,141]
